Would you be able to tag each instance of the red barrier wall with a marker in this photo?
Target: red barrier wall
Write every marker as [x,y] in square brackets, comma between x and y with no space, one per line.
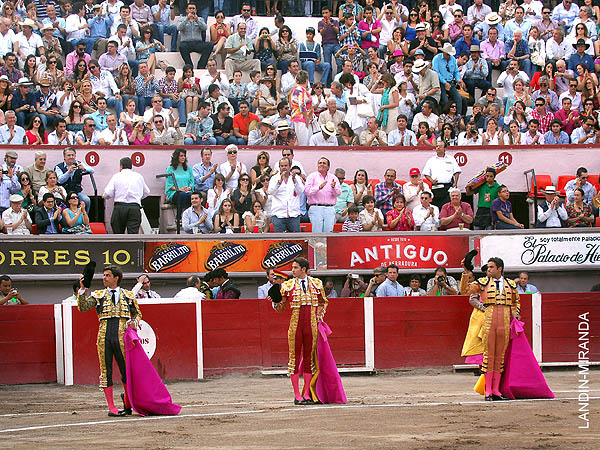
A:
[27,344]
[247,335]
[175,356]
[425,331]
[560,336]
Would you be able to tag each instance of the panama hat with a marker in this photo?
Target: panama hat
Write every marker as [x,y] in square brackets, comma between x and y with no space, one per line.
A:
[419,65]
[493,19]
[448,49]
[328,128]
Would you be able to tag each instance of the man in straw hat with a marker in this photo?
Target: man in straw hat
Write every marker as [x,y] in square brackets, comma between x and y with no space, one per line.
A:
[476,72]
[27,42]
[429,85]
[23,102]
[308,303]
[492,21]
[445,65]
[422,42]
[326,138]
[265,134]
[550,212]
[16,219]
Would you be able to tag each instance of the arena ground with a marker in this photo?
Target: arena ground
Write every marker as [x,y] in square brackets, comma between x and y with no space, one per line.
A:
[399,410]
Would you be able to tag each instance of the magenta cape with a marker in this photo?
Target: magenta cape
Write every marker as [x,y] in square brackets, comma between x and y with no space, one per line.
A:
[522,377]
[329,388]
[146,391]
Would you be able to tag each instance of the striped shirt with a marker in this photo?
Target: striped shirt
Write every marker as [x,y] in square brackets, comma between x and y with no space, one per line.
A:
[353,227]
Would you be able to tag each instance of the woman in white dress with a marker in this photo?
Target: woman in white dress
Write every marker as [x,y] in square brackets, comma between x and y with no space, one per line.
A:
[358,103]
[216,195]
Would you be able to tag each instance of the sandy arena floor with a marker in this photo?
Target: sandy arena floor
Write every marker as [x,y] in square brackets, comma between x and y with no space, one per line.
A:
[410,410]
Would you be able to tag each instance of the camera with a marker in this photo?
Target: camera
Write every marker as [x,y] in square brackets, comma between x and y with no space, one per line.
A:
[441,279]
[4,172]
[353,276]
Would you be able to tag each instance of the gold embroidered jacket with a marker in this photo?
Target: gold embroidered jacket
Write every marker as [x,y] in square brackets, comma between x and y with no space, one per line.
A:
[509,296]
[292,293]
[125,308]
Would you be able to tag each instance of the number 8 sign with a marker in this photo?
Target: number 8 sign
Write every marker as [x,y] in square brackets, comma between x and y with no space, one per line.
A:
[138,159]
[92,159]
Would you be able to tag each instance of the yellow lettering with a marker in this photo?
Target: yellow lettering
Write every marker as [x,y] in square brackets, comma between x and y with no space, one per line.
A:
[60,257]
[82,257]
[2,258]
[121,257]
[17,255]
[41,255]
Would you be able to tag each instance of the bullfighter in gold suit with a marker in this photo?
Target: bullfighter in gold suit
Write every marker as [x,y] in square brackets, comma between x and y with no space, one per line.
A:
[500,298]
[308,303]
[117,308]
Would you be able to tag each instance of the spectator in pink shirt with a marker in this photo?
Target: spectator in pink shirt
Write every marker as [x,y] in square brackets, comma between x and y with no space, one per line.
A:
[369,29]
[569,117]
[322,190]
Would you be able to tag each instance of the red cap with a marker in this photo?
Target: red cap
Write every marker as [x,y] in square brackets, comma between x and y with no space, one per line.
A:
[281,274]
[414,171]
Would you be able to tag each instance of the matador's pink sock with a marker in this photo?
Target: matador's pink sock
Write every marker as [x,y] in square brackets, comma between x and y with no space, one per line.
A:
[295,377]
[306,387]
[108,393]
[496,384]
[489,380]
[126,398]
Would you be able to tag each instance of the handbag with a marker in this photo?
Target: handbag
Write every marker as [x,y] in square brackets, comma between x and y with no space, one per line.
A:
[364,109]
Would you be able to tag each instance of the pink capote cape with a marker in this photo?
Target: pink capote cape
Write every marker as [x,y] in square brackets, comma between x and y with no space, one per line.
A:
[328,385]
[146,391]
[522,377]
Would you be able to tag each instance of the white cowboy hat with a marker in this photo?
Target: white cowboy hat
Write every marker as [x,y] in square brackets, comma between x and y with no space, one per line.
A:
[283,125]
[28,23]
[419,65]
[266,121]
[550,190]
[448,49]
[493,19]
[328,128]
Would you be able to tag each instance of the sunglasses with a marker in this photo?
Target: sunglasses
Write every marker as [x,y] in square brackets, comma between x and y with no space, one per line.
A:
[24,179]
[413,15]
[262,157]
[156,101]
[244,179]
[92,67]
[51,62]
[245,10]
[73,198]
[231,152]
[76,106]
[158,121]
[92,125]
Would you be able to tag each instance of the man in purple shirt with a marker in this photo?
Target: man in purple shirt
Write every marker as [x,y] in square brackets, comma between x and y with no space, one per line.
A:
[386,191]
[322,190]
[329,29]
[501,210]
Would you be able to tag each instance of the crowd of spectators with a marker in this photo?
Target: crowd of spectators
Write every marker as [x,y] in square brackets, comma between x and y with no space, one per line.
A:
[392,73]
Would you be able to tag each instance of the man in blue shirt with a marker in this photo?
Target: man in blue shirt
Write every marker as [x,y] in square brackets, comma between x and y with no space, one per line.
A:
[99,27]
[445,65]
[23,102]
[581,57]
[390,287]
[204,172]
[100,115]
[463,45]
[518,48]
[523,286]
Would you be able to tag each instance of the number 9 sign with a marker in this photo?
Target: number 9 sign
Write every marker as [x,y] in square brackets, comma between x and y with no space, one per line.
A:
[138,159]
[92,158]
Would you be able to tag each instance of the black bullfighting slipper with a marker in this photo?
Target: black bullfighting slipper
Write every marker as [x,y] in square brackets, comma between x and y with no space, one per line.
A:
[121,413]
[298,402]
[498,398]
[489,398]
[307,401]
[126,410]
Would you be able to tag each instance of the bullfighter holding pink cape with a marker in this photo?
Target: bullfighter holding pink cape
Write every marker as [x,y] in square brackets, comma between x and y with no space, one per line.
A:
[307,337]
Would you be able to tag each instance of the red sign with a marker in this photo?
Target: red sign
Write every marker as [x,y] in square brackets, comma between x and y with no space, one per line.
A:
[138,159]
[461,159]
[506,158]
[92,158]
[407,252]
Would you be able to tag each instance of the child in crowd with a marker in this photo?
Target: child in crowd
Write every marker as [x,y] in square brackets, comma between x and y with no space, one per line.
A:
[237,90]
[352,223]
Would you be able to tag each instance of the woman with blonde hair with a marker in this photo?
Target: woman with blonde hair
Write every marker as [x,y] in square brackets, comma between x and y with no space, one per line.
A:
[125,83]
